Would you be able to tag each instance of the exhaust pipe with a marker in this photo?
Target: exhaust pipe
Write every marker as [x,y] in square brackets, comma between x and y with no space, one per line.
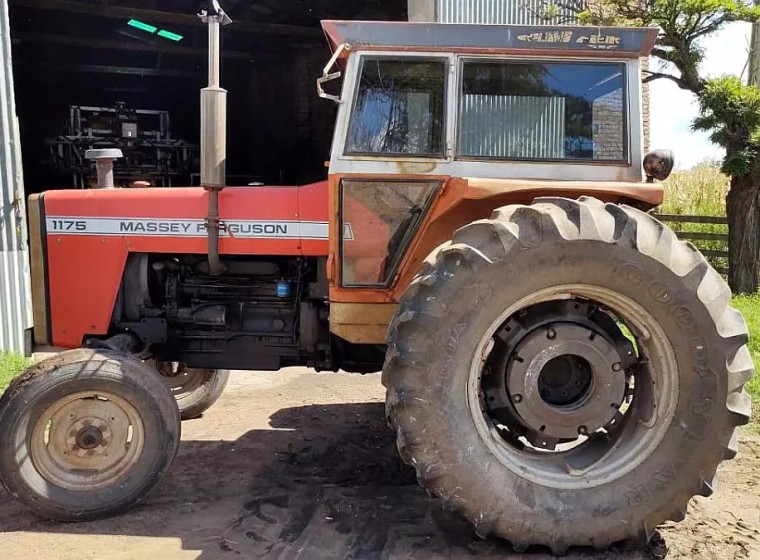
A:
[104,159]
[213,133]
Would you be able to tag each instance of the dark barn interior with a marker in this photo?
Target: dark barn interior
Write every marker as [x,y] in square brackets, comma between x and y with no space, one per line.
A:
[86,54]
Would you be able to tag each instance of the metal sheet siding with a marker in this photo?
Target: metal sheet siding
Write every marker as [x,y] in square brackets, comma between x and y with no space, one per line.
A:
[505,12]
[15,290]
[505,126]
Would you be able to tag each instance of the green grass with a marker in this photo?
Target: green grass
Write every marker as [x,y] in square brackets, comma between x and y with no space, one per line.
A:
[699,191]
[10,366]
[750,308]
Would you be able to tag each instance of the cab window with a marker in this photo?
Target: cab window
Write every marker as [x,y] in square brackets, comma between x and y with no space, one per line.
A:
[399,109]
[379,220]
[543,111]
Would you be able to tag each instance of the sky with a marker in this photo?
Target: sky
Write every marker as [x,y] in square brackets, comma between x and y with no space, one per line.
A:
[673,109]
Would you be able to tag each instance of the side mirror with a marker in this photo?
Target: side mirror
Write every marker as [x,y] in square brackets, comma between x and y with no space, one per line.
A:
[658,164]
[328,76]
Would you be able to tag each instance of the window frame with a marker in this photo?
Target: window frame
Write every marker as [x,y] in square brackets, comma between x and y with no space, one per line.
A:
[457,110]
[444,154]
[406,242]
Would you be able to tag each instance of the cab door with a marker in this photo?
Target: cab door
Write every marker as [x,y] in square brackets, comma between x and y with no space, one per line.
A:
[390,137]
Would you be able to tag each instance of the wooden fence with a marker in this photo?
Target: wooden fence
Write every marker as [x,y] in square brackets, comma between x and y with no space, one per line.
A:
[709,234]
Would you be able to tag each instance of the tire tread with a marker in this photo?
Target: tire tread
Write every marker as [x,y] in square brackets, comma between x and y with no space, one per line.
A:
[517,227]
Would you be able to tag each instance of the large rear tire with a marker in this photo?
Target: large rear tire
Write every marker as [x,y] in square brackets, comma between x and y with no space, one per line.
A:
[86,434]
[544,451]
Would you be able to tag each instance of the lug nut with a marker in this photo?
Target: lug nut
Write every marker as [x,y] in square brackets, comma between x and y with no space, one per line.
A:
[551,334]
[517,398]
[616,366]
[582,430]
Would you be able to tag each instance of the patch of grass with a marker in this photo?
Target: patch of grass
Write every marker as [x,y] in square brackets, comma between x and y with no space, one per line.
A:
[10,366]
[699,191]
[750,308]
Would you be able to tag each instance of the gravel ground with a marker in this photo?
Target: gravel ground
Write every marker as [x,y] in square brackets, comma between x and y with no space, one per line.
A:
[301,465]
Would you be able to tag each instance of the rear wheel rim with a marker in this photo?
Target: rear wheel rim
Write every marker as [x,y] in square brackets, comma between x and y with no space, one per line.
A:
[87,441]
[182,380]
[620,438]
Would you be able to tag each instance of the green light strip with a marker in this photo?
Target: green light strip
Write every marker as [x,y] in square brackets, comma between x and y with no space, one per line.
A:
[142,26]
[169,35]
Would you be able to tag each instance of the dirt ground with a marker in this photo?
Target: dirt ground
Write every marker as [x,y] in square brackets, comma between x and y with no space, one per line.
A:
[297,465]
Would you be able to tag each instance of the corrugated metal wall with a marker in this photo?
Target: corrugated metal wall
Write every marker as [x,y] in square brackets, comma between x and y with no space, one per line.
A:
[516,12]
[509,126]
[15,292]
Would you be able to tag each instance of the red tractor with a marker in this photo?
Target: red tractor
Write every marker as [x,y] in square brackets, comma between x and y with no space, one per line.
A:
[560,368]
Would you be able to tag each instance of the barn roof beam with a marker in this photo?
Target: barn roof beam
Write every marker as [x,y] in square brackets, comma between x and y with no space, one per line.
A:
[113,11]
[115,44]
[125,70]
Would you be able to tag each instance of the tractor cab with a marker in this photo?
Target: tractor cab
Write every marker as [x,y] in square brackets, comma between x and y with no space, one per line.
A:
[487,101]
[438,124]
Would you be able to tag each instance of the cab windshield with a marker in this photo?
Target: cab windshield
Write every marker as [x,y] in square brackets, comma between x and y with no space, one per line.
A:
[399,108]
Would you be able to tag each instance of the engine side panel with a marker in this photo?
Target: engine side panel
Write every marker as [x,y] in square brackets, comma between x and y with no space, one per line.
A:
[84,274]
[91,232]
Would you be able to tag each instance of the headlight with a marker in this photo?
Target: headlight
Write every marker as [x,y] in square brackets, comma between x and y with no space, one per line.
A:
[658,164]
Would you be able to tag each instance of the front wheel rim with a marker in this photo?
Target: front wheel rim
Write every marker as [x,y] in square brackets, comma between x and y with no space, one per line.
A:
[590,461]
[87,441]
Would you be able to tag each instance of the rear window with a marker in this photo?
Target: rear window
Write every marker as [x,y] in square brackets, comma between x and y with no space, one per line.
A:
[543,111]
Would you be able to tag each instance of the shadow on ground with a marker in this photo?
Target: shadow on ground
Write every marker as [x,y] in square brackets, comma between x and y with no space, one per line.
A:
[325,482]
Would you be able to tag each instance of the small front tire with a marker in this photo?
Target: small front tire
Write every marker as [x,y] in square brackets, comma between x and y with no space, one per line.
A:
[87,434]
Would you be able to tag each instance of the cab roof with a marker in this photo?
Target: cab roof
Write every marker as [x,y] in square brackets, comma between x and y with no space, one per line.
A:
[617,42]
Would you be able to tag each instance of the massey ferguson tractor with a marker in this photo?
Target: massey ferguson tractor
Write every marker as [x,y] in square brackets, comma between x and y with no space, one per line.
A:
[560,369]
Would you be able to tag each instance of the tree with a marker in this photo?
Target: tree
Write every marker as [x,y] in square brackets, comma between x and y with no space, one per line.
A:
[729,109]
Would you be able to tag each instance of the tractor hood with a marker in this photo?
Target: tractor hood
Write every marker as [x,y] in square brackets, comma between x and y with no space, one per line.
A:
[80,241]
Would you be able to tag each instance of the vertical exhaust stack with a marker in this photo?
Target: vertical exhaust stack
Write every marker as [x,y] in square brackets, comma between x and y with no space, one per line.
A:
[213,133]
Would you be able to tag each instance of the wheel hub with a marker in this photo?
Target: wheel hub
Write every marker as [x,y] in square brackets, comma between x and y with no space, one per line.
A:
[89,437]
[87,441]
[557,370]
[564,380]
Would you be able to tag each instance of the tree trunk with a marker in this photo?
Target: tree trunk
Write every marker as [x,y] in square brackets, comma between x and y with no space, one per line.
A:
[743,214]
